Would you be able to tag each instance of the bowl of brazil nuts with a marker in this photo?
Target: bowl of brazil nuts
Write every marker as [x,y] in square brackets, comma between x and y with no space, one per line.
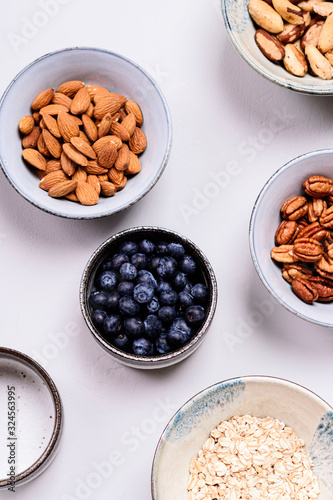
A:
[248,437]
[291,236]
[288,42]
[86,133]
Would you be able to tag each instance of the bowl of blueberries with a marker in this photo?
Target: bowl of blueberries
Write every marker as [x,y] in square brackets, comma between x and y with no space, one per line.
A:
[148,296]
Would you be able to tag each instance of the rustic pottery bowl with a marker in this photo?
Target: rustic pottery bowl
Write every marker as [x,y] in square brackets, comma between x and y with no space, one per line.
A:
[259,396]
[92,66]
[154,234]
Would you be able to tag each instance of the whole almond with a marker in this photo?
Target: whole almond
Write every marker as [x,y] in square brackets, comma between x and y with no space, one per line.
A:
[84,138]
[41,146]
[26,124]
[138,141]
[67,126]
[90,110]
[80,174]
[30,140]
[43,99]
[107,104]
[61,99]
[86,194]
[89,127]
[52,179]
[34,158]
[123,159]
[62,188]
[132,107]
[103,178]
[108,189]
[52,144]
[104,126]
[115,176]
[294,61]
[129,123]
[100,143]
[121,186]
[119,130]
[107,155]
[74,155]
[70,88]
[52,126]
[37,117]
[269,46]
[95,90]
[80,102]
[72,197]
[94,182]
[134,166]
[52,166]
[53,109]
[67,164]
[83,147]
[94,169]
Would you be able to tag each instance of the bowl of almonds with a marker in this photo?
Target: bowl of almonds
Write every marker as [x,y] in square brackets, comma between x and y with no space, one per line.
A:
[291,236]
[289,42]
[251,437]
[86,133]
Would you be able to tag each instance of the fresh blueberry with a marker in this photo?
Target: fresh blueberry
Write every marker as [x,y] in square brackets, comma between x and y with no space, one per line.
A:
[185,299]
[125,287]
[112,325]
[107,280]
[146,277]
[139,260]
[153,262]
[143,293]
[129,248]
[133,327]
[200,293]
[97,299]
[163,286]
[112,302]
[195,315]
[162,346]
[147,247]
[153,305]
[179,281]
[107,265]
[187,265]
[121,341]
[161,248]
[153,326]
[168,298]
[98,317]
[188,287]
[128,306]
[128,272]
[176,250]
[143,347]
[179,333]
[167,267]
[118,260]
[167,314]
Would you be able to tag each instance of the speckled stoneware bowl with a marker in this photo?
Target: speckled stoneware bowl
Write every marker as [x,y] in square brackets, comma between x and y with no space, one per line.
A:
[259,396]
[266,217]
[31,419]
[154,234]
[241,30]
[92,66]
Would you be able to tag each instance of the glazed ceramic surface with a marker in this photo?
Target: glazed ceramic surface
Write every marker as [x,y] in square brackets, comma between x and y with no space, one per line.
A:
[284,184]
[297,407]
[241,30]
[92,66]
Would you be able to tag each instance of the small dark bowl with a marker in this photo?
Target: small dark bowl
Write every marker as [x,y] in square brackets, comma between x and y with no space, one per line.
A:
[208,276]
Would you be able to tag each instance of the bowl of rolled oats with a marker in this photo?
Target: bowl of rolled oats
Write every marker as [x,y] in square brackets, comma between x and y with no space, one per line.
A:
[291,236]
[253,437]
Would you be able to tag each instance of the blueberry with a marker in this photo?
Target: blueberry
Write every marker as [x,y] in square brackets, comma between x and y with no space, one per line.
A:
[168,298]
[128,307]
[179,333]
[185,299]
[163,286]
[161,248]
[128,272]
[121,341]
[153,262]
[97,299]
[167,267]
[147,247]
[153,326]
[143,347]
[98,317]
[195,315]
[146,277]
[162,346]
[107,265]
[176,250]
[112,302]
[129,248]
[112,325]
[200,293]
[153,305]
[143,293]
[188,287]
[187,265]
[139,260]
[125,287]
[179,281]
[167,314]
[107,280]
[133,327]
[118,260]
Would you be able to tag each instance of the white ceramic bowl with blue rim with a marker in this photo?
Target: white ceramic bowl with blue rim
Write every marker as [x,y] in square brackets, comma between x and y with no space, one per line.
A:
[259,396]
[92,66]
[241,30]
[266,217]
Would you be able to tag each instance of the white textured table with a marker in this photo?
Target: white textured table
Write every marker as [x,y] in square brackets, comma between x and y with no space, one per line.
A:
[232,130]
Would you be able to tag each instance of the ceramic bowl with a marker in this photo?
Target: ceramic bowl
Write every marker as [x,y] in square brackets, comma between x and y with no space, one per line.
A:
[92,66]
[155,234]
[241,30]
[31,419]
[284,184]
[259,396]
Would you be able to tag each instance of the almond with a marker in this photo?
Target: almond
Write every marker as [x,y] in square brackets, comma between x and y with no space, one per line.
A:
[138,142]
[80,175]
[90,110]
[132,107]
[72,197]
[123,158]
[52,179]
[107,104]
[81,102]
[89,127]
[94,168]
[70,88]
[74,155]
[34,157]
[61,99]
[83,147]
[120,131]
[104,126]
[30,140]
[52,166]
[41,146]
[26,125]
[134,166]
[37,117]
[52,144]
[84,138]
[103,178]
[121,186]
[62,189]
[95,90]
[43,99]
[129,123]
[100,143]
[86,194]
[51,124]
[107,155]
[67,126]
[54,109]
[108,189]
[94,182]
[115,176]
[67,164]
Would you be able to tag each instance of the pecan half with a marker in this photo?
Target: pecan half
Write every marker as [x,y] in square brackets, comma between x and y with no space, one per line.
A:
[324,288]
[316,208]
[295,208]
[286,232]
[301,223]
[326,218]
[308,249]
[314,231]
[325,263]
[284,253]
[318,186]
[291,272]
[305,290]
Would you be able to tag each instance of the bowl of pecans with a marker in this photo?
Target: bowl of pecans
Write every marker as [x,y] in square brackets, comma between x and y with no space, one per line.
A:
[86,133]
[288,42]
[249,437]
[291,236]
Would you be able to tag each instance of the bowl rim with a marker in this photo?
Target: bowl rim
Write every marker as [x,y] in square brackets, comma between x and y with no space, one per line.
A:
[133,359]
[160,170]
[225,383]
[302,89]
[48,454]
[253,252]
